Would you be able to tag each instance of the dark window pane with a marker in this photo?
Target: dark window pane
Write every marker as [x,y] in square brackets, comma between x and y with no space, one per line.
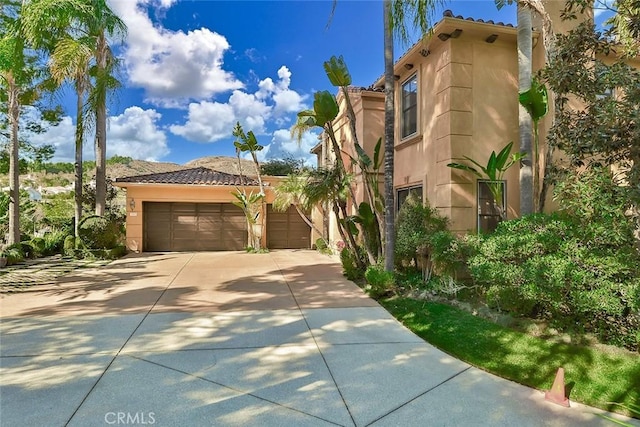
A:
[410,107]
[488,210]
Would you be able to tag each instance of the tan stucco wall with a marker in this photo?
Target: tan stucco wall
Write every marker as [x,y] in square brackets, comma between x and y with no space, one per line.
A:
[140,193]
[468,106]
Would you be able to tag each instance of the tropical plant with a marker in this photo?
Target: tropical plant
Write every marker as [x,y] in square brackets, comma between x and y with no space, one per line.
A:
[528,170]
[536,101]
[370,213]
[332,183]
[493,171]
[22,83]
[69,59]
[252,204]
[16,76]
[78,33]
[290,192]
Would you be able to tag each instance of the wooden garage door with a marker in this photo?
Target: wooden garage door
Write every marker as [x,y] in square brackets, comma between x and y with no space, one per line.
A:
[286,230]
[194,227]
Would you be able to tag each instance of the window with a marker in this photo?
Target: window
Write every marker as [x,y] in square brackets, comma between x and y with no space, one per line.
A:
[488,210]
[602,77]
[404,193]
[410,107]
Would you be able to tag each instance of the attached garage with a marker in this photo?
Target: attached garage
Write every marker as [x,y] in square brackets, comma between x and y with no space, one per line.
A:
[193,227]
[193,210]
[287,230]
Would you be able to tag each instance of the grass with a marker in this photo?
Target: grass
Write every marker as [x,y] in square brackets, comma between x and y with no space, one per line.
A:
[595,376]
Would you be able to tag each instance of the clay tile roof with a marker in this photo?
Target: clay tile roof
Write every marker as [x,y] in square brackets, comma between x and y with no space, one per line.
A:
[449,14]
[195,176]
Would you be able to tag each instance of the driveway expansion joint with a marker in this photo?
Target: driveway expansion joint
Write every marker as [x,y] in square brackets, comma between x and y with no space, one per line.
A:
[125,343]
[419,396]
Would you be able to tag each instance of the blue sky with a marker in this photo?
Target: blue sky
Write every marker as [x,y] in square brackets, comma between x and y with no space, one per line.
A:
[191,69]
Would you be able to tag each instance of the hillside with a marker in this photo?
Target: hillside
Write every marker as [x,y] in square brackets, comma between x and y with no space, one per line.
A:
[132,168]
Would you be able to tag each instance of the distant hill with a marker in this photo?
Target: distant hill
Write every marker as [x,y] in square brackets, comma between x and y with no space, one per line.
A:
[133,168]
[142,167]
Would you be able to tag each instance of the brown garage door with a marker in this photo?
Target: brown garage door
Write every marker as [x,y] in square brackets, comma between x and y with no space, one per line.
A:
[194,227]
[286,230]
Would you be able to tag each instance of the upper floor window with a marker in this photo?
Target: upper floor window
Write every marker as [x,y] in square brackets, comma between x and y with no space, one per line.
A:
[410,106]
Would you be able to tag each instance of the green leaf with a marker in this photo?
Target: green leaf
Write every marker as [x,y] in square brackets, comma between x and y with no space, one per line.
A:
[491,169]
[325,107]
[363,156]
[502,157]
[377,161]
[535,100]
[464,168]
[337,71]
[366,213]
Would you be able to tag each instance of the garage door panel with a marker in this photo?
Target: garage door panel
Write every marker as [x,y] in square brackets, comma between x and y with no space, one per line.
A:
[193,227]
[287,230]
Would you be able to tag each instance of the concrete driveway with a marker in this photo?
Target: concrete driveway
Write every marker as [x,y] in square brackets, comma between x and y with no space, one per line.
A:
[228,338]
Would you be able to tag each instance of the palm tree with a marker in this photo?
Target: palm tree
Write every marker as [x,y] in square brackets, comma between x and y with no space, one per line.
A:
[395,14]
[527,205]
[83,27]
[70,61]
[17,75]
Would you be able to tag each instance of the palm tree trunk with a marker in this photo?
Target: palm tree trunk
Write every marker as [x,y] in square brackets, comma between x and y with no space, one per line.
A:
[389,118]
[78,163]
[527,167]
[14,167]
[101,129]
[310,223]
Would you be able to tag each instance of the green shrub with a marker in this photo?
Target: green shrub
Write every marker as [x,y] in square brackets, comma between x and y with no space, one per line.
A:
[349,265]
[600,205]
[321,246]
[69,245]
[545,266]
[14,254]
[449,253]
[27,250]
[38,245]
[113,253]
[380,282]
[54,242]
[97,232]
[416,224]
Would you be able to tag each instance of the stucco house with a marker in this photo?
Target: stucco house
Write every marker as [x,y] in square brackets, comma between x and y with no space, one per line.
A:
[456,95]
[193,210]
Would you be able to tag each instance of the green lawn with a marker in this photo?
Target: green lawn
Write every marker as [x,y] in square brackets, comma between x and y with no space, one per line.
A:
[595,376]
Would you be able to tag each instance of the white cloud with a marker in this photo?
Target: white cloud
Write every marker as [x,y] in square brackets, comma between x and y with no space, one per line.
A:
[285,100]
[134,133]
[207,122]
[172,67]
[283,145]
[211,121]
[62,137]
